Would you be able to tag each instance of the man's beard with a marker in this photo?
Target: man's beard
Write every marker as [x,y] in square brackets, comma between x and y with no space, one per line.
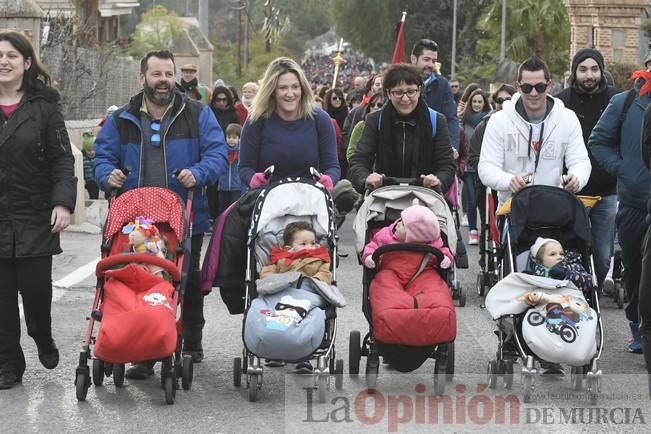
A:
[590,87]
[161,99]
[189,85]
[247,101]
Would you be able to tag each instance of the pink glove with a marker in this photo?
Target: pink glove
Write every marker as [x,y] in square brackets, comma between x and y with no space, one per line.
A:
[326,181]
[258,180]
[369,262]
[445,263]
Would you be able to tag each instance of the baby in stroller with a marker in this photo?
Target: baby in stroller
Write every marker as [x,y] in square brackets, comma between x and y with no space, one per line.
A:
[417,224]
[300,252]
[548,259]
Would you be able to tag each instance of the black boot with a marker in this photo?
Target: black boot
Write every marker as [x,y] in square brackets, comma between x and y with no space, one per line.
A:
[192,343]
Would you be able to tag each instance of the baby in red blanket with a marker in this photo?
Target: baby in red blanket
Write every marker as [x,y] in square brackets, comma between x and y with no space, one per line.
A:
[417,225]
[301,253]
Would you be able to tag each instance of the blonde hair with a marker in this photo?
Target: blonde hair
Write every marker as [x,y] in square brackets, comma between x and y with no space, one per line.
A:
[264,103]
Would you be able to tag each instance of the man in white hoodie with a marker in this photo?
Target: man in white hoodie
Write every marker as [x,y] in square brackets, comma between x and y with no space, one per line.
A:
[532,137]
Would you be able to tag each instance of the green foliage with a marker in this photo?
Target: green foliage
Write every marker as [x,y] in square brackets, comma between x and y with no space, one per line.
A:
[310,17]
[157,30]
[621,72]
[533,27]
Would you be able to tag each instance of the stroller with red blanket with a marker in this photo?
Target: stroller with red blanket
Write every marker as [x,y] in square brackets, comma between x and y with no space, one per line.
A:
[413,322]
[138,297]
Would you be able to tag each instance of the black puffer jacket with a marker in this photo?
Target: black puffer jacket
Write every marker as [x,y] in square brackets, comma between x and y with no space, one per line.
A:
[36,174]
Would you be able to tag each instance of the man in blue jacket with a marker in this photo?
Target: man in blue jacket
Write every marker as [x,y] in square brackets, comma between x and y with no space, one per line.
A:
[165,139]
[620,156]
[437,92]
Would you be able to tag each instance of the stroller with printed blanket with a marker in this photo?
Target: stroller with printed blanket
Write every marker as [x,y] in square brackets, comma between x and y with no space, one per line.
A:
[422,309]
[138,311]
[289,317]
[539,318]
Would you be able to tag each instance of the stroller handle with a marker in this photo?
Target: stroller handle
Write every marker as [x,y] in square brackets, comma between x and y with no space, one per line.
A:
[401,247]
[127,258]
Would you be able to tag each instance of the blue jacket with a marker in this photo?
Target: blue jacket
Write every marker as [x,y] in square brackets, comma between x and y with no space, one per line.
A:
[230,180]
[632,176]
[194,140]
[439,97]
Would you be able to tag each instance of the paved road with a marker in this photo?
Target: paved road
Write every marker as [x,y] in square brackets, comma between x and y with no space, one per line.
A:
[46,401]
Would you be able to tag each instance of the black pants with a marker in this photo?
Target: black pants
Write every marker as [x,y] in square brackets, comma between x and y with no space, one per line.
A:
[193,320]
[213,201]
[32,277]
[644,301]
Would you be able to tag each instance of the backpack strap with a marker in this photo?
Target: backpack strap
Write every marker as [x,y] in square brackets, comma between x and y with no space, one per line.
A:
[432,119]
[628,102]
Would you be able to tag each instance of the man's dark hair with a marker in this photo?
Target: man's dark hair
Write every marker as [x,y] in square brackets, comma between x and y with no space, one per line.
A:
[397,73]
[162,54]
[533,64]
[422,45]
[292,228]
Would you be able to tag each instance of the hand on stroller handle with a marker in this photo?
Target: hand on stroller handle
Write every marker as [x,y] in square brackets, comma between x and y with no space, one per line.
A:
[394,180]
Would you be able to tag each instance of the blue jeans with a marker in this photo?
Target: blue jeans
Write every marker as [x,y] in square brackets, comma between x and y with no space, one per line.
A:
[631,229]
[602,220]
[469,181]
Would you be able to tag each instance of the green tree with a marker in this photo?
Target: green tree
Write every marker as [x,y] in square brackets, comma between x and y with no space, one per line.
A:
[311,17]
[370,25]
[157,30]
[533,27]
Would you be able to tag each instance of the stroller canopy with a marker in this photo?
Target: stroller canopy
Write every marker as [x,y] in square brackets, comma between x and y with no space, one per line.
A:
[158,204]
[397,198]
[542,210]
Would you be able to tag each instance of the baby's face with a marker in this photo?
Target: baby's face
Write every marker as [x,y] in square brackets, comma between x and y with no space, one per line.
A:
[303,240]
[552,254]
[399,231]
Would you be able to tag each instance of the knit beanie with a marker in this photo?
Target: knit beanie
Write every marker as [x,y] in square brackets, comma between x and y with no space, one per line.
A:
[421,224]
[587,53]
[537,245]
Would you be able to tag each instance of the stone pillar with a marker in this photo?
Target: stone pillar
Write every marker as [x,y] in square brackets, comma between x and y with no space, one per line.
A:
[612,27]
[22,16]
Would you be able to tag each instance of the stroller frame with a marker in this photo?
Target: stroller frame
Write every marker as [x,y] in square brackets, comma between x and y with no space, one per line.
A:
[250,364]
[502,365]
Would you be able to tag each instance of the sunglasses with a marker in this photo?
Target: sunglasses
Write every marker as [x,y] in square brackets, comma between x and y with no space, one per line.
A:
[378,105]
[155,137]
[336,98]
[527,88]
[221,99]
[501,100]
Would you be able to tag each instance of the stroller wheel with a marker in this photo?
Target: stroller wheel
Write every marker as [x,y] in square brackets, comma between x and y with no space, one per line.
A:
[491,374]
[449,366]
[187,372]
[592,384]
[237,372]
[118,374]
[620,296]
[462,297]
[253,388]
[576,377]
[170,390]
[354,353]
[339,374]
[82,384]
[508,375]
[372,369]
[98,372]
[322,386]
[528,387]
[480,284]
[439,378]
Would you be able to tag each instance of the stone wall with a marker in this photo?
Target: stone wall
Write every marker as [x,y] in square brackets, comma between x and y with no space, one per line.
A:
[99,81]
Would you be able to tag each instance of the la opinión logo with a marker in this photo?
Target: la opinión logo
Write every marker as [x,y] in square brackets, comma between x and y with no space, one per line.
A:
[420,408]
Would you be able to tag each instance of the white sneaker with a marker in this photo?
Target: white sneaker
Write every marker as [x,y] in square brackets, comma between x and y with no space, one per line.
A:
[609,286]
[473,238]
[464,220]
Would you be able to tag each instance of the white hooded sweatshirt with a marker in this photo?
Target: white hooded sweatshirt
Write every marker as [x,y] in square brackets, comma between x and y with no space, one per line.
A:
[508,148]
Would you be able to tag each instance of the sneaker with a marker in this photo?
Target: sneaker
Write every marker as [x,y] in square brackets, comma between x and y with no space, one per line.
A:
[48,354]
[636,344]
[274,363]
[303,368]
[464,220]
[9,379]
[608,286]
[473,238]
[140,371]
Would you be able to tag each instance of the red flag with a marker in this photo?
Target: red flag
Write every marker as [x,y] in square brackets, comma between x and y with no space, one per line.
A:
[399,50]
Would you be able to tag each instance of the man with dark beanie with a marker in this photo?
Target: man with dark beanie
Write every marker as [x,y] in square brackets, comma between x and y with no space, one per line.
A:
[588,96]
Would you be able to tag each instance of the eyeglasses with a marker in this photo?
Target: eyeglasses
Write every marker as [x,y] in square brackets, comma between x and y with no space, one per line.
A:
[501,100]
[527,88]
[399,93]
[336,98]
[221,99]
[155,138]
[378,105]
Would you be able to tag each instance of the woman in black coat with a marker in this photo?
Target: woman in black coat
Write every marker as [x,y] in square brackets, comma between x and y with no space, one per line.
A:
[38,191]
[223,106]
[400,140]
